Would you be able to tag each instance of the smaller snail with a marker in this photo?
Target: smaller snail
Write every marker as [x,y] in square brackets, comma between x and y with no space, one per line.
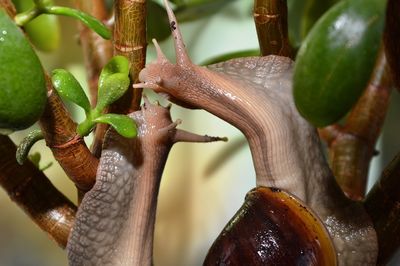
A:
[272,228]
[114,224]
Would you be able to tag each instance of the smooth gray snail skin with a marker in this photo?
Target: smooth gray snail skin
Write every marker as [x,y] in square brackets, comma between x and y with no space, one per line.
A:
[115,221]
[254,94]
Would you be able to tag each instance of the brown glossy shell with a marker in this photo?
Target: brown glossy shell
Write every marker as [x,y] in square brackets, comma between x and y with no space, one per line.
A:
[272,228]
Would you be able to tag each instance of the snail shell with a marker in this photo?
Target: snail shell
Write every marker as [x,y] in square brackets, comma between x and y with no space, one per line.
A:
[272,228]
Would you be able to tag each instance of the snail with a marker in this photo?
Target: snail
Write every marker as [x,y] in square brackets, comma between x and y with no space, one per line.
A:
[254,94]
[114,224]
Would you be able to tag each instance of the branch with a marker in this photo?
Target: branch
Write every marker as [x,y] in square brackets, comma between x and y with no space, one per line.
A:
[383,205]
[130,41]
[270,17]
[9,7]
[353,148]
[68,148]
[30,189]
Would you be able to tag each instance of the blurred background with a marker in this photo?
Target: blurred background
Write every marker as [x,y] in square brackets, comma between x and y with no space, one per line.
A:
[196,198]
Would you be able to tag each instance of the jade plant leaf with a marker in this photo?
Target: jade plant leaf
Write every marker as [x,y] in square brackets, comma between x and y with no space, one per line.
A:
[113,81]
[22,81]
[124,125]
[69,88]
[336,59]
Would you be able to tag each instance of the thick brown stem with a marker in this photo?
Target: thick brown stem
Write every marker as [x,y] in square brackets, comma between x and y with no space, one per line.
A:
[353,149]
[383,205]
[9,7]
[30,189]
[68,148]
[130,41]
[97,52]
[270,17]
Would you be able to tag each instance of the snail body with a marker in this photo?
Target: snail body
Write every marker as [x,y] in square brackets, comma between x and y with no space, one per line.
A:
[254,94]
[115,221]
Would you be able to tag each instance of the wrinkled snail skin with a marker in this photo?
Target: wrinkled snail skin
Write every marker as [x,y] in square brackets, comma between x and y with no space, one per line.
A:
[115,221]
[254,94]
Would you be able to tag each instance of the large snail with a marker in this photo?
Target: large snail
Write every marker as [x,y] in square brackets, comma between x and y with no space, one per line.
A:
[116,218]
[255,95]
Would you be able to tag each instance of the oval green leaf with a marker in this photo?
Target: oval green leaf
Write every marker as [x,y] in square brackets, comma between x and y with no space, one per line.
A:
[112,88]
[117,64]
[336,59]
[22,82]
[85,18]
[69,88]
[113,81]
[124,125]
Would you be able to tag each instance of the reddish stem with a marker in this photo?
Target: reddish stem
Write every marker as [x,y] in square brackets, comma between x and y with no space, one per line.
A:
[68,148]
[354,147]
[30,189]
[270,17]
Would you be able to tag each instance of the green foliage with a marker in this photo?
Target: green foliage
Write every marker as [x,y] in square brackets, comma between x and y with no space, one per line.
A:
[46,7]
[336,59]
[113,83]
[22,82]
[69,88]
[121,123]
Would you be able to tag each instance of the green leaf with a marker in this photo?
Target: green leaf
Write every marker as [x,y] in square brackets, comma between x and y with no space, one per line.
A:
[336,60]
[85,18]
[124,125]
[111,90]
[69,88]
[23,91]
[117,64]
[113,81]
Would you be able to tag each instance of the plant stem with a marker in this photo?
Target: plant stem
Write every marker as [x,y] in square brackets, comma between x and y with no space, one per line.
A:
[353,148]
[270,17]
[30,189]
[383,205]
[8,7]
[130,41]
[68,148]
